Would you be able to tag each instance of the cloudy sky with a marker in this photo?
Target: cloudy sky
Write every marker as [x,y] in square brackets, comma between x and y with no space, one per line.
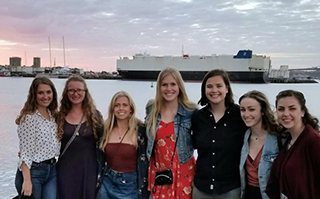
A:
[97,32]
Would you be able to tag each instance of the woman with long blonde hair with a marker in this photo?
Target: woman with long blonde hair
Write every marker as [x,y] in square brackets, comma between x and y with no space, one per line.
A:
[77,167]
[38,141]
[124,145]
[170,148]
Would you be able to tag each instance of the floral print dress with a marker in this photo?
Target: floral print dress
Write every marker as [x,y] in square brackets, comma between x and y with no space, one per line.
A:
[182,174]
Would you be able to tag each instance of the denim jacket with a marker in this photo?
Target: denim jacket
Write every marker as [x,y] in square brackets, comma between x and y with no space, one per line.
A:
[269,153]
[142,165]
[182,123]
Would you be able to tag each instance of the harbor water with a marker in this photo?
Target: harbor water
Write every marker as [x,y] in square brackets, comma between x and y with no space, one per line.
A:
[14,91]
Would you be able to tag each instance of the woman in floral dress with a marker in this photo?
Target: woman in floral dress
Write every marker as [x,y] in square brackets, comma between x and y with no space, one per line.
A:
[169,137]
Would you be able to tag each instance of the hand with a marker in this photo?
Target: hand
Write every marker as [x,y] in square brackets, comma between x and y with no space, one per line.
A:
[26,188]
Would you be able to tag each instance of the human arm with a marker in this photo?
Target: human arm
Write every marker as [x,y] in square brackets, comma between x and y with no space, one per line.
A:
[27,184]
[27,140]
[27,136]
[314,156]
[193,131]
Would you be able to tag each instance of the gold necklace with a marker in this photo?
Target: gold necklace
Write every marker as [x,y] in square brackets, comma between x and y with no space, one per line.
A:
[120,136]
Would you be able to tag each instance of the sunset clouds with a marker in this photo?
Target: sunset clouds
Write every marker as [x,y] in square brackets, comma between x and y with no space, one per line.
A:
[98,32]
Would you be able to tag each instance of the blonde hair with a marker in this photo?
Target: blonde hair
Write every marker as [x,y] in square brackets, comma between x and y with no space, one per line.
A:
[111,121]
[183,99]
[93,116]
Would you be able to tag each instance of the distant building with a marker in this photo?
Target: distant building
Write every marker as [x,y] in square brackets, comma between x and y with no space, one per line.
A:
[36,62]
[15,61]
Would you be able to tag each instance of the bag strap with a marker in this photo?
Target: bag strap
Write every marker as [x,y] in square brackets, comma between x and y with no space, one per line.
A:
[120,143]
[76,133]
[175,146]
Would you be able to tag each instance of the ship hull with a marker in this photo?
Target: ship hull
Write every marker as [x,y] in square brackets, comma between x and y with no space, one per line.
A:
[235,76]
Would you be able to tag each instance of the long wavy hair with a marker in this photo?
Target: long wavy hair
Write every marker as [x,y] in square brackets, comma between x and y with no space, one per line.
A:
[223,74]
[183,99]
[111,121]
[307,119]
[93,116]
[30,106]
[269,122]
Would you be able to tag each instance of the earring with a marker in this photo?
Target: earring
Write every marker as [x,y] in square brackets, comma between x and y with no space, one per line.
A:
[302,115]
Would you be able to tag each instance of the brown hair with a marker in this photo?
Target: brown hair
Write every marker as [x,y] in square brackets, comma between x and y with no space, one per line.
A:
[30,106]
[223,74]
[94,117]
[307,119]
[269,122]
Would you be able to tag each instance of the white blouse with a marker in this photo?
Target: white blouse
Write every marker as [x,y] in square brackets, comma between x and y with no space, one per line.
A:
[38,139]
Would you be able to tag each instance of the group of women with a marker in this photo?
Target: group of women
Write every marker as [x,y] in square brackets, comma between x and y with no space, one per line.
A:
[243,150]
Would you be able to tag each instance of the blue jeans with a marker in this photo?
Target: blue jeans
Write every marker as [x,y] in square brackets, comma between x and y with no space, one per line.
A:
[44,181]
[118,185]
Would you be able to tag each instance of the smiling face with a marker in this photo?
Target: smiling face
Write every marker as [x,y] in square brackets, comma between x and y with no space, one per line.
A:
[122,109]
[216,90]
[169,89]
[76,92]
[251,112]
[289,113]
[44,95]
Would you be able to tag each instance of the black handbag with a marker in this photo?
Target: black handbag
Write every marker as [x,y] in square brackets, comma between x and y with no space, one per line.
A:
[163,177]
[27,197]
[24,197]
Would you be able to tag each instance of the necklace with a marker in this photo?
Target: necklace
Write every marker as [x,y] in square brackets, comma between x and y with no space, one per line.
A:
[123,134]
[258,137]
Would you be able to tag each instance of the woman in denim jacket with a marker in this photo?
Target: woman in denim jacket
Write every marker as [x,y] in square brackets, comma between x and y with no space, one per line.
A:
[260,145]
[169,136]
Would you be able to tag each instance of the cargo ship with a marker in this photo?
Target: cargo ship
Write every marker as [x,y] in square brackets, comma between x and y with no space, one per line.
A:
[243,67]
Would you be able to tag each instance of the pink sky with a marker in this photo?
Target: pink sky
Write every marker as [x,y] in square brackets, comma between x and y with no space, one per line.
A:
[98,32]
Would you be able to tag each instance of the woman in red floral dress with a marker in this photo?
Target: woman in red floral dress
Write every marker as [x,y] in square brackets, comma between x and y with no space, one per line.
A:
[169,137]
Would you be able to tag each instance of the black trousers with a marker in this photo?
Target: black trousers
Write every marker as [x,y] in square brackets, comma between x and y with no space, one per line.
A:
[252,192]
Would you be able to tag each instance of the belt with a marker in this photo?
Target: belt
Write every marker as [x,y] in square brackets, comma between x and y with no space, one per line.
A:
[49,161]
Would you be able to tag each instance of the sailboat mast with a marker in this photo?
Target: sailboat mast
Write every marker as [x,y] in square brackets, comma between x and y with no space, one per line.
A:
[50,51]
[64,52]
[25,58]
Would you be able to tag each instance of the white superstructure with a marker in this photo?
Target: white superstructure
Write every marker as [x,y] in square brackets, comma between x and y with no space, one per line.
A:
[146,62]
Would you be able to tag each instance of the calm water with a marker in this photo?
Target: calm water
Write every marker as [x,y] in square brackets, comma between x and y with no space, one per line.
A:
[13,93]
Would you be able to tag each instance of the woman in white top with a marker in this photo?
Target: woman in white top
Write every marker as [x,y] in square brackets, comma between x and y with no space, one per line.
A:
[38,143]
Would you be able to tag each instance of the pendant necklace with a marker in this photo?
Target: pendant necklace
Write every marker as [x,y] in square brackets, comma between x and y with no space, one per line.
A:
[120,136]
[258,137]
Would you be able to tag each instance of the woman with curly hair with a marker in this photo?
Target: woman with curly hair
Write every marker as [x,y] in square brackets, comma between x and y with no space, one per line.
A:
[124,143]
[295,173]
[77,167]
[38,141]
[260,145]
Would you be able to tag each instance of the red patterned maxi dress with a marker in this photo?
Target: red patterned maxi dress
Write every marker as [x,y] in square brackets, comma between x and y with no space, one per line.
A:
[182,174]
